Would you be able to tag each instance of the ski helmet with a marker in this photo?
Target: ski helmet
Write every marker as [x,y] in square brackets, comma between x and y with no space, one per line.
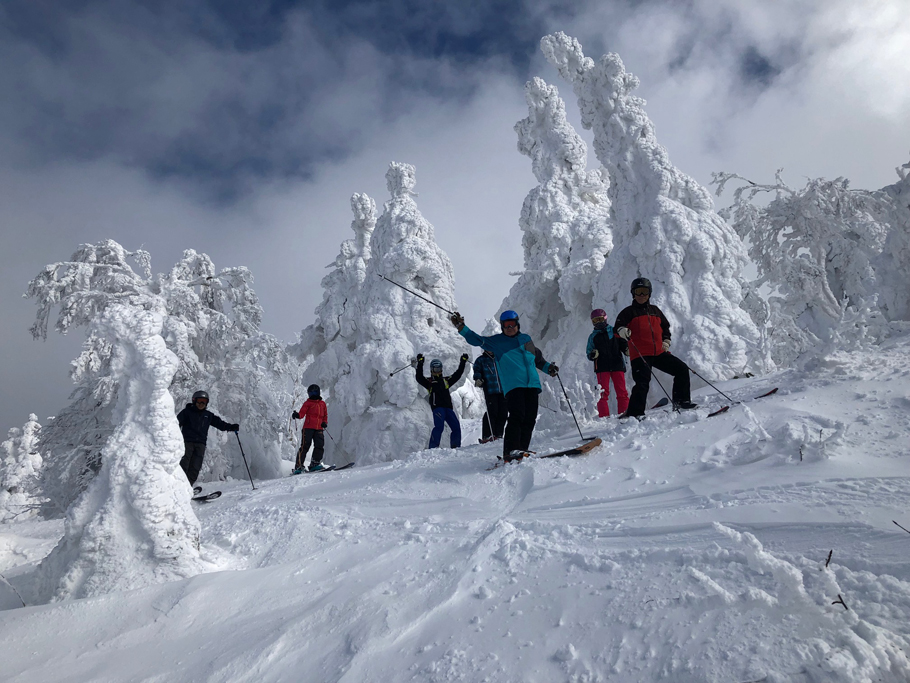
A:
[313,391]
[436,366]
[509,315]
[641,282]
[598,313]
[200,394]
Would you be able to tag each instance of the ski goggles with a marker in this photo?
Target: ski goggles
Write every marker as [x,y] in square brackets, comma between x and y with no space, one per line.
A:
[509,324]
[641,291]
[203,401]
[598,319]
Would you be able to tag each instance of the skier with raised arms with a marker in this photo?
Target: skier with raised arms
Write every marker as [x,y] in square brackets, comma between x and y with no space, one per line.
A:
[441,400]
[647,330]
[518,361]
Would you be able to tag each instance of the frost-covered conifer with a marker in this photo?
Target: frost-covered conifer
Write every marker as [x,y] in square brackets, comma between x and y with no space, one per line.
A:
[133,526]
[893,265]
[818,251]
[567,239]
[665,225]
[373,416]
[211,323]
[20,466]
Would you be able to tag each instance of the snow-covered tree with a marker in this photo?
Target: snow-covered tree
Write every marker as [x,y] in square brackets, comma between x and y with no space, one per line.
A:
[133,525]
[665,227]
[813,249]
[20,466]
[211,323]
[893,264]
[567,241]
[368,327]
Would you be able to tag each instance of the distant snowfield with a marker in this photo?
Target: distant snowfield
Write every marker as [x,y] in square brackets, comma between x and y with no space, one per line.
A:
[683,549]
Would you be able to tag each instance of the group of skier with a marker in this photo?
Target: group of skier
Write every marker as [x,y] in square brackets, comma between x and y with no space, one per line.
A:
[507,371]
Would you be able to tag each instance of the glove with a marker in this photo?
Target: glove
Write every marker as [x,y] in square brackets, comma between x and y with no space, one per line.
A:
[624,332]
[325,425]
[295,415]
[553,370]
[594,354]
[625,351]
[478,382]
[666,345]
[464,358]
[234,428]
[419,358]
[457,320]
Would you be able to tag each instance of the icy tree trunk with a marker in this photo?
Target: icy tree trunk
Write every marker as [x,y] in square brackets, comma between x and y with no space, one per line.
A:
[133,526]
[666,228]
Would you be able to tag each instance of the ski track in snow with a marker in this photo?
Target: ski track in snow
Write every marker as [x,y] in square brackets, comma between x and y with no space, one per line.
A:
[682,549]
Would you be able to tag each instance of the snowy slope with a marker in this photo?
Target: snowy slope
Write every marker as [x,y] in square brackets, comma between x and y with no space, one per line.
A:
[683,549]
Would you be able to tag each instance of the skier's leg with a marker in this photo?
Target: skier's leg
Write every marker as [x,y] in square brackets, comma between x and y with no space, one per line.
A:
[487,430]
[603,406]
[455,426]
[619,385]
[667,362]
[304,447]
[514,406]
[193,455]
[496,406]
[318,446]
[529,418]
[185,460]
[641,375]
[438,425]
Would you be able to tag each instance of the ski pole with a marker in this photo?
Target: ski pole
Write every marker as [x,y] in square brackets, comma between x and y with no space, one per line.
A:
[570,406]
[652,373]
[244,460]
[392,374]
[712,386]
[330,436]
[416,294]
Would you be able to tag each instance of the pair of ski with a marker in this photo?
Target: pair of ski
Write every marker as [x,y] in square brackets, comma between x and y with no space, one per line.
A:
[328,468]
[583,449]
[665,401]
[207,497]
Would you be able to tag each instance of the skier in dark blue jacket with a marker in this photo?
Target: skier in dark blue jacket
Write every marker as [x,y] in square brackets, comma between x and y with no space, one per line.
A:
[486,376]
[195,421]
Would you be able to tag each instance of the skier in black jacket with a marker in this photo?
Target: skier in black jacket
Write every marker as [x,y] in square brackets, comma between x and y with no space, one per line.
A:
[195,421]
[606,349]
[441,399]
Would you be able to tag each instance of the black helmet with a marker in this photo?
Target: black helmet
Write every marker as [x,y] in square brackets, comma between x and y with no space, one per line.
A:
[641,282]
[435,367]
[313,391]
[200,394]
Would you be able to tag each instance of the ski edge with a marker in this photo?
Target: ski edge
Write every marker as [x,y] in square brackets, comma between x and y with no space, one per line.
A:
[207,497]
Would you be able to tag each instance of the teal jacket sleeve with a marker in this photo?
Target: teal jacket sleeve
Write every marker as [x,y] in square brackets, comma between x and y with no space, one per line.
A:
[590,349]
[471,336]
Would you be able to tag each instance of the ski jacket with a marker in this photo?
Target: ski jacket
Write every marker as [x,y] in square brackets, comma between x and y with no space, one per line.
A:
[438,387]
[609,349]
[517,359]
[195,423]
[314,414]
[649,327]
[485,369]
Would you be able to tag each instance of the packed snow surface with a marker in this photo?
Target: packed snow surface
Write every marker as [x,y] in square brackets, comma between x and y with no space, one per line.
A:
[683,549]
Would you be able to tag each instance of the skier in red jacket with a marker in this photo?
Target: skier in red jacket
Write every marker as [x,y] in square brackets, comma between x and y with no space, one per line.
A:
[647,330]
[315,418]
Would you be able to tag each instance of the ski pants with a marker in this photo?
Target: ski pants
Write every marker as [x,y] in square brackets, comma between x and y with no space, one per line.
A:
[494,420]
[641,373]
[441,418]
[619,384]
[521,404]
[311,437]
[191,462]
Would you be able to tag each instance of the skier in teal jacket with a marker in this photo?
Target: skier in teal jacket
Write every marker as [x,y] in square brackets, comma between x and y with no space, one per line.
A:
[517,360]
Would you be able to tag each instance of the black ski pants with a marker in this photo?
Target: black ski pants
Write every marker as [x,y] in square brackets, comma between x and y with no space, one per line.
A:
[521,405]
[494,420]
[641,375]
[311,437]
[191,462]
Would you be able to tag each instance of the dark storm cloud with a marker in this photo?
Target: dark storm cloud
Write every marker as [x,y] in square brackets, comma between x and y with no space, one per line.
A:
[225,95]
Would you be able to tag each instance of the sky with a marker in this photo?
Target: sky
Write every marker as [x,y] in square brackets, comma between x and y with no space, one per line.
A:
[242,129]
